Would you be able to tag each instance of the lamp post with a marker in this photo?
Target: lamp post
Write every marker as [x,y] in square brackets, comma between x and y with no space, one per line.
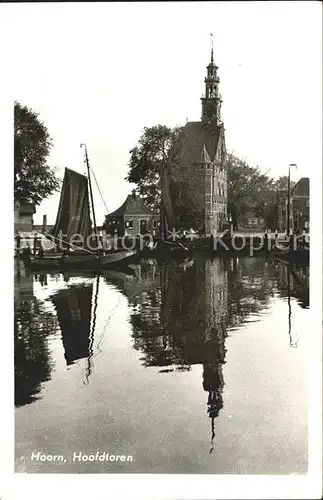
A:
[288,197]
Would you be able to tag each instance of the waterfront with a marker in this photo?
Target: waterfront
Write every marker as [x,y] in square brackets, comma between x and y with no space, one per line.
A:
[194,367]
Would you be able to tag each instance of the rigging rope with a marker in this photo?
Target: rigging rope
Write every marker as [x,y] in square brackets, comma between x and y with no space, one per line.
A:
[97,185]
[49,236]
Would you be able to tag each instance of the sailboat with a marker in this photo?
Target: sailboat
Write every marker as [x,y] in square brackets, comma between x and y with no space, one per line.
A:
[74,218]
[167,245]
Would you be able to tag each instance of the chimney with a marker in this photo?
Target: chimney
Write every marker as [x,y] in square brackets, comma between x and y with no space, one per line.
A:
[134,195]
[44,228]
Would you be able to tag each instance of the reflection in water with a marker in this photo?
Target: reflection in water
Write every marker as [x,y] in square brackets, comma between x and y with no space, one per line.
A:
[32,325]
[213,383]
[73,308]
[293,281]
[292,342]
[180,316]
[89,368]
[77,320]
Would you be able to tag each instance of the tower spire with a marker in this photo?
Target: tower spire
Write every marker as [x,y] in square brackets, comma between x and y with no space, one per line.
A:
[212,60]
[211,101]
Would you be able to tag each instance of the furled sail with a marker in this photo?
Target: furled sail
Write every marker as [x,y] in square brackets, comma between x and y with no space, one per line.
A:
[74,307]
[73,215]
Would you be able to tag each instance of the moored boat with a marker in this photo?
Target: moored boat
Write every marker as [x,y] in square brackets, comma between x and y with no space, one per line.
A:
[73,219]
[290,254]
[164,248]
[295,256]
[97,261]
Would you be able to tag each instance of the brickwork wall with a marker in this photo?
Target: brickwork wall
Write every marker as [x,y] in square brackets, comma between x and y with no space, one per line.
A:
[141,224]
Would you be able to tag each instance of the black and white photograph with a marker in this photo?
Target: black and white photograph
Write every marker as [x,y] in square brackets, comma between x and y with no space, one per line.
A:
[165,195]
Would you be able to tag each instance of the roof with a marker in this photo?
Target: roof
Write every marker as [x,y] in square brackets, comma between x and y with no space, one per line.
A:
[302,188]
[133,205]
[195,138]
[204,155]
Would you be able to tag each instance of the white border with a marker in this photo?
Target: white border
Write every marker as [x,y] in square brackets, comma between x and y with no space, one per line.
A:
[133,486]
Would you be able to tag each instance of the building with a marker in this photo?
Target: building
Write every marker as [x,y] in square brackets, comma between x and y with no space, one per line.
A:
[300,205]
[23,216]
[202,158]
[253,221]
[133,217]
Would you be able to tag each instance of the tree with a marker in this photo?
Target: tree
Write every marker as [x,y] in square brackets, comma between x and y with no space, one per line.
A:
[281,184]
[154,163]
[154,152]
[248,188]
[33,324]
[34,180]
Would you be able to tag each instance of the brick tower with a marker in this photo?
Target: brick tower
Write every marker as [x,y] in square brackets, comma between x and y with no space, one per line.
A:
[202,158]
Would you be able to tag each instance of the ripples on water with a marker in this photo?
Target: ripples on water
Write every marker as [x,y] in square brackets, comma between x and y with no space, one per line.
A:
[187,366]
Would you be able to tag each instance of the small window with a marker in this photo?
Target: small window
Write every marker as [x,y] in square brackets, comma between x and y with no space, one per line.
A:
[154,224]
[129,224]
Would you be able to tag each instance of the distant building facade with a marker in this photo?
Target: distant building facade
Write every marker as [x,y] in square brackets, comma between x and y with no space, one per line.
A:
[300,205]
[202,158]
[23,216]
[253,221]
[133,217]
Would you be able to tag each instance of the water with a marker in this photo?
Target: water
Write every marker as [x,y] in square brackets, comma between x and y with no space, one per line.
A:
[196,367]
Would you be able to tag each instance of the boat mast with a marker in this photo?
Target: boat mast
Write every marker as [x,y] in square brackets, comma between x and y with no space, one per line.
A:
[90,185]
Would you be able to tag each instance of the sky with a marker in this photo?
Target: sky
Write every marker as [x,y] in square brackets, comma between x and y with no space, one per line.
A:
[98,73]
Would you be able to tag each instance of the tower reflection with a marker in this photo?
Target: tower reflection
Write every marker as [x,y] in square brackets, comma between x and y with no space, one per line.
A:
[181,315]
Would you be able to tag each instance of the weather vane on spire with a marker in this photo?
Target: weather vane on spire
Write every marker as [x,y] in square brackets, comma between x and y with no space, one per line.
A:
[211,34]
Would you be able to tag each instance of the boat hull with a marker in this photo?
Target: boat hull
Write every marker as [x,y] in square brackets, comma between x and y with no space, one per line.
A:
[112,259]
[165,250]
[82,261]
[46,262]
[293,256]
